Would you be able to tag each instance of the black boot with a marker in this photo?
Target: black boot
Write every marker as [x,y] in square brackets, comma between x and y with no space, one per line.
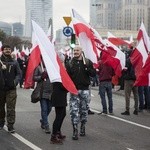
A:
[82,129]
[75,132]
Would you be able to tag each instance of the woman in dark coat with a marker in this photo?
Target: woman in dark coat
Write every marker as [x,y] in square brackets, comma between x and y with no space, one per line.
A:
[59,101]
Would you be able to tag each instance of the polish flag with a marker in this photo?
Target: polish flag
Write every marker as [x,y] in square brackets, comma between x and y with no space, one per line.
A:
[144,75]
[143,78]
[139,57]
[112,55]
[142,34]
[116,58]
[33,61]
[85,35]
[55,69]
[115,40]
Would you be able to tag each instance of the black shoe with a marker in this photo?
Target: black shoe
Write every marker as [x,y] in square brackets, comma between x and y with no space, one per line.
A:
[1,126]
[126,113]
[90,112]
[82,129]
[75,132]
[11,129]
[140,110]
[135,112]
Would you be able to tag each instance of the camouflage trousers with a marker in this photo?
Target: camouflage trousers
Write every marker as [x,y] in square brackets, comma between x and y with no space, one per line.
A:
[79,105]
[8,98]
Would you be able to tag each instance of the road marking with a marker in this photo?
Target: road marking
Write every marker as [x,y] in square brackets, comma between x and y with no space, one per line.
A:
[129,149]
[23,140]
[127,121]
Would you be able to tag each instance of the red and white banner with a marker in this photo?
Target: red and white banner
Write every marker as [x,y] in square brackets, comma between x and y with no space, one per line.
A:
[138,58]
[85,36]
[142,34]
[115,40]
[54,67]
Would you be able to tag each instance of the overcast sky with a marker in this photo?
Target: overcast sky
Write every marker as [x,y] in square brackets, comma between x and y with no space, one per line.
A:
[14,10]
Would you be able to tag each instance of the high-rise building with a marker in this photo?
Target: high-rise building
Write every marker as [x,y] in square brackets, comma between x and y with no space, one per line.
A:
[103,13]
[120,14]
[6,27]
[41,11]
[17,29]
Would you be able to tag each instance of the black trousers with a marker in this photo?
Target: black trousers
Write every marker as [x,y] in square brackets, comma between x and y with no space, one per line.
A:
[60,115]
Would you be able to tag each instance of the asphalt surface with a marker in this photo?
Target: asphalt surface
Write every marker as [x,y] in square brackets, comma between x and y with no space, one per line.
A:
[102,132]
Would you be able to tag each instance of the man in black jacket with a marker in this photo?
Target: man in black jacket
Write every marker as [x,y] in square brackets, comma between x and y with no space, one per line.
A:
[129,80]
[80,70]
[10,73]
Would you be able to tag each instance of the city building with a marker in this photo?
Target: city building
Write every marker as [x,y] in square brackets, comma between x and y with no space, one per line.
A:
[103,13]
[41,11]
[120,14]
[17,29]
[6,27]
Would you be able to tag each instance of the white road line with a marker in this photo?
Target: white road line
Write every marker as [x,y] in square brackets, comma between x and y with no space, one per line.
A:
[127,121]
[129,149]
[23,140]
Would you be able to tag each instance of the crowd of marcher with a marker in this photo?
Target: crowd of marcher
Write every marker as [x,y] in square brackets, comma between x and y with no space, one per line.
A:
[81,70]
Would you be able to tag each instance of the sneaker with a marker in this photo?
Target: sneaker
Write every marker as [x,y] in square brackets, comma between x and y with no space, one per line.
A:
[126,113]
[102,113]
[11,129]
[135,112]
[90,112]
[111,113]
[42,126]
[47,130]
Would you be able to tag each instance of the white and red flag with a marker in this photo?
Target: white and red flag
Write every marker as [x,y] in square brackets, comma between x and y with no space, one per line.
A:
[91,42]
[33,61]
[138,58]
[142,34]
[141,59]
[85,35]
[55,69]
[115,40]
[112,55]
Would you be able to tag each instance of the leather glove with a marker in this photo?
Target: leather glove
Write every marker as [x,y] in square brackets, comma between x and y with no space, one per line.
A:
[44,75]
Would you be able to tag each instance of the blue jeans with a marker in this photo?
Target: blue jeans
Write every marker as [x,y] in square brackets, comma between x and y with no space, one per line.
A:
[143,92]
[106,87]
[45,110]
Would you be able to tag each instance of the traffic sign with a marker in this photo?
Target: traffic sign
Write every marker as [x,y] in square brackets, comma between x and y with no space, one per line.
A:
[67,20]
[67,31]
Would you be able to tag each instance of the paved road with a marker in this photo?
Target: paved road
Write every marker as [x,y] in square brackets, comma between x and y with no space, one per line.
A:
[102,132]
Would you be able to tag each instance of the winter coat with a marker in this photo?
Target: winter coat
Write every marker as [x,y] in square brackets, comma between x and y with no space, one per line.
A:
[129,74]
[80,73]
[11,75]
[47,85]
[59,95]
[105,72]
